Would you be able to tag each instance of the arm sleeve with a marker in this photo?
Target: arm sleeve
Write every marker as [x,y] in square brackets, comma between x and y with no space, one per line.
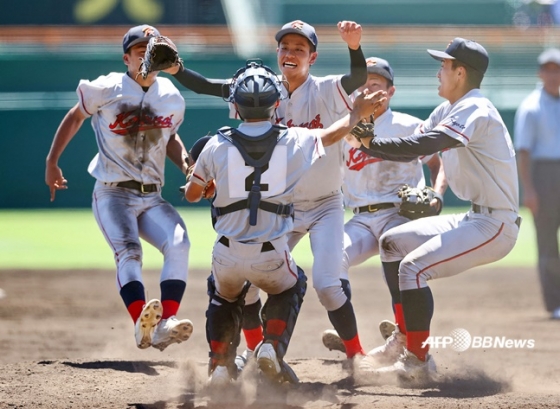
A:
[411,147]
[358,72]
[201,85]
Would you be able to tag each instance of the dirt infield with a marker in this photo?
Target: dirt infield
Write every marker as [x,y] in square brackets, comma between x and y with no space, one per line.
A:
[67,342]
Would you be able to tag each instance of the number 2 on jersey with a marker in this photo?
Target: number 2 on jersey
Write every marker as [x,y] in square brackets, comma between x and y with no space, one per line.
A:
[273,177]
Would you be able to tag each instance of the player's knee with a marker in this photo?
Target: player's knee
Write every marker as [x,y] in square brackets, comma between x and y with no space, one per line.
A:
[131,254]
[410,277]
[332,298]
[389,249]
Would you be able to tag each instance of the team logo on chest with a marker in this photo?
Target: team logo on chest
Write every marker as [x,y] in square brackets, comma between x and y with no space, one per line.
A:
[134,121]
[357,159]
[315,123]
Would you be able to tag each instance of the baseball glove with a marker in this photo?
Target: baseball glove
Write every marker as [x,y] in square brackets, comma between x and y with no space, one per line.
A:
[363,130]
[161,53]
[415,202]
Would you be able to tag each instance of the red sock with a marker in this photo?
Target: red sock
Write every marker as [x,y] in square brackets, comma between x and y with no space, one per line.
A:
[353,347]
[399,318]
[414,341]
[170,308]
[253,337]
[135,309]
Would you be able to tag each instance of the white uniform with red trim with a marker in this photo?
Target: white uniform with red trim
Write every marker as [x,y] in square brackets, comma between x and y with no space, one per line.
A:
[371,181]
[244,257]
[482,171]
[318,103]
[132,128]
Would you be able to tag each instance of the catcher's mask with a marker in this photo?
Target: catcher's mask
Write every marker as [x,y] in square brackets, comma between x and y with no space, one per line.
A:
[255,89]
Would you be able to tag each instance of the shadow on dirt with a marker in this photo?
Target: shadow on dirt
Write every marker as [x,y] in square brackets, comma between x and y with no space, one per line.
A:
[144,367]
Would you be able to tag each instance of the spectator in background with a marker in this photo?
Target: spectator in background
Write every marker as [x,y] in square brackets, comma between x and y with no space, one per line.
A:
[537,141]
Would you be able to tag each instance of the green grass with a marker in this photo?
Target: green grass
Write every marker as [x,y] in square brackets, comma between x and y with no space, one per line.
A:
[70,239]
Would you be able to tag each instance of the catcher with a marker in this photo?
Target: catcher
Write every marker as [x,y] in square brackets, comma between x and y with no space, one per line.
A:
[382,195]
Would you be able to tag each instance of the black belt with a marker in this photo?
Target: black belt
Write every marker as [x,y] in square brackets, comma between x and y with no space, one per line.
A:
[478,209]
[373,208]
[266,246]
[132,184]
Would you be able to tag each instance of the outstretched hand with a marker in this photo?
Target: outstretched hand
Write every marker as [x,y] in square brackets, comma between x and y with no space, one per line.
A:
[367,103]
[54,180]
[351,33]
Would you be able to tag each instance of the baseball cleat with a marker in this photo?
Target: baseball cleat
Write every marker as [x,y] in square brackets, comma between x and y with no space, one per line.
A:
[146,323]
[410,371]
[267,361]
[386,328]
[386,354]
[241,360]
[332,341]
[170,331]
[219,377]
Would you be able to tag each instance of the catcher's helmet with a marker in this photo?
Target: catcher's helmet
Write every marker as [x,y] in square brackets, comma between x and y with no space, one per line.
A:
[255,90]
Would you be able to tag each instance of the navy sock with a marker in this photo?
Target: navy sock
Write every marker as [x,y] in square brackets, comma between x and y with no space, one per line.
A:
[418,308]
[344,321]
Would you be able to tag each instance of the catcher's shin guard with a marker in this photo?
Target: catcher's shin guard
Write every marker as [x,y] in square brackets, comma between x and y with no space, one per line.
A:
[280,313]
[223,328]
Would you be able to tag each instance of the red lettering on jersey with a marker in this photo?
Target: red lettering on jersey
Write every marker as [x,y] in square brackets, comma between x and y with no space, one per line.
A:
[358,160]
[315,123]
[131,120]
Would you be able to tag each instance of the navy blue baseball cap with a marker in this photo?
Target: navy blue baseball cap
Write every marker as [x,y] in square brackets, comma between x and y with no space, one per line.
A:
[379,66]
[468,52]
[137,35]
[300,28]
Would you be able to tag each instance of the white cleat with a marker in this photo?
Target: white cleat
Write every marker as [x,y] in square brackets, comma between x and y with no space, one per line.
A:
[241,360]
[386,354]
[219,377]
[410,371]
[332,341]
[146,323]
[267,361]
[171,331]
[386,328]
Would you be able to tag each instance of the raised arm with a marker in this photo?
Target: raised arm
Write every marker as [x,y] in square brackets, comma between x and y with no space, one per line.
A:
[364,106]
[351,33]
[405,149]
[201,85]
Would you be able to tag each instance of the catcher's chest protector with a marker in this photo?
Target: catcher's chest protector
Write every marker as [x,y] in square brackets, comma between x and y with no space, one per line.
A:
[256,152]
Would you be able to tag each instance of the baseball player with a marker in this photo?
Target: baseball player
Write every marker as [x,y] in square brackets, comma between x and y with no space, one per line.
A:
[317,102]
[256,168]
[479,162]
[135,132]
[537,140]
[371,187]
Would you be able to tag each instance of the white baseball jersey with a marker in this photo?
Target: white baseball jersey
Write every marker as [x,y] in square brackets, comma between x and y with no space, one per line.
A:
[369,180]
[317,103]
[132,127]
[484,171]
[294,154]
